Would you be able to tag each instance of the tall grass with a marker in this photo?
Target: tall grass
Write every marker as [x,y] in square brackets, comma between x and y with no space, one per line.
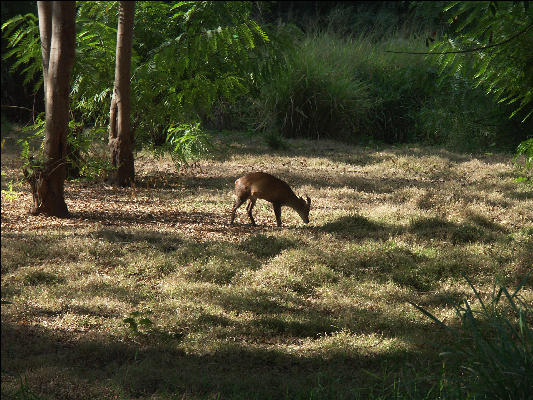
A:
[346,89]
[317,94]
[493,347]
[350,88]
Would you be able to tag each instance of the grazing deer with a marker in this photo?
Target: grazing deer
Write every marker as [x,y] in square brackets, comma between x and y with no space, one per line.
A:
[260,185]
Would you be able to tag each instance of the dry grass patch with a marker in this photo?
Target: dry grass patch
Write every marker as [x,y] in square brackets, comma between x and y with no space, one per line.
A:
[148,292]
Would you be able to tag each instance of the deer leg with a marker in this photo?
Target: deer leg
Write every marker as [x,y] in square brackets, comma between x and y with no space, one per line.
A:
[249,208]
[277,211]
[238,203]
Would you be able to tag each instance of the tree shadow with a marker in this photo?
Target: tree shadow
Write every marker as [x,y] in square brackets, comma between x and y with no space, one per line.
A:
[265,246]
[353,181]
[477,229]
[484,222]
[163,242]
[359,227]
[210,221]
[520,196]
[443,230]
[153,365]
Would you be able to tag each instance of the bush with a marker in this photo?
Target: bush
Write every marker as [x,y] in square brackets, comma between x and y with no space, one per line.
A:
[352,89]
[347,89]
[187,142]
[494,346]
[525,169]
[316,95]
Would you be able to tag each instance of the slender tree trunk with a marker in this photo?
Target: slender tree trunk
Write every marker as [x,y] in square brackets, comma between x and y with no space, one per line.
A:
[45,32]
[47,180]
[120,132]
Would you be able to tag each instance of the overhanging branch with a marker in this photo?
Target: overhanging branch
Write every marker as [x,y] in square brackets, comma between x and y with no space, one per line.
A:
[465,51]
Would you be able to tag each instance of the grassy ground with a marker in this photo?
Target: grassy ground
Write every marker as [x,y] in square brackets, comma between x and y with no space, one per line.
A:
[148,293]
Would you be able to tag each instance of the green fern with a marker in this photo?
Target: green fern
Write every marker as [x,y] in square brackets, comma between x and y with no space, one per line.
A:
[208,53]
[501,33]
[22,33]
[188,143]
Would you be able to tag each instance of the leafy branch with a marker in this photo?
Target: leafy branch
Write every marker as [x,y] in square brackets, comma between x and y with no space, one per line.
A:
[464,51]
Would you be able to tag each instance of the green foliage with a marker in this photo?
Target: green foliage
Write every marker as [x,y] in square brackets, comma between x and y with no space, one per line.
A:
[346,89]
[179,69]
[137,322]
[188,142]
[524,149]
[24,392]
[94,66]
[22,33]
[464,118]
[494,345]
[10,193]
[275,141]
[317,94]
[352,89]
[87,154]
[82,143]
[209,56]
[32,144]
[501,31]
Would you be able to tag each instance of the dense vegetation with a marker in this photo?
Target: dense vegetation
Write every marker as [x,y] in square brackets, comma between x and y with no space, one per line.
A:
[399,119]
[343,74]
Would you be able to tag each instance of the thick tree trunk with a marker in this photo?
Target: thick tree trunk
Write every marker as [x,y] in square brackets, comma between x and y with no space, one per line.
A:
[47,180]
[120,132]
[45,31]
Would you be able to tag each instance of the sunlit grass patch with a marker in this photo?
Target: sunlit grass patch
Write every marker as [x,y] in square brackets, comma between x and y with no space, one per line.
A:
[232,307]
[345,344]
[300,269]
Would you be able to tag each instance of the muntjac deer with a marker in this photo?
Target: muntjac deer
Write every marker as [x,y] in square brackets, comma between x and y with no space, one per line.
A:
[260,185]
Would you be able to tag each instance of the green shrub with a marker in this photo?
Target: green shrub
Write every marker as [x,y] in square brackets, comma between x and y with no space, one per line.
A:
[187,142]
[494,346]
[275,141]
[316,96]
[353,89]
[346,89]
[525,170]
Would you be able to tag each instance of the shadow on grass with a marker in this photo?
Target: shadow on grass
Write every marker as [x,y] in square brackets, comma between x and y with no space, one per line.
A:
[243,359]
[358,227]
[210,222]
[361,184]
[443,230]
[478,229]
[265,246]
[163,242]
[336,151]
[102,367]
[515,195]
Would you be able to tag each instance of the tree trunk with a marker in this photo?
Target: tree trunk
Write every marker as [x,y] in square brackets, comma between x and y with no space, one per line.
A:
[45,32]
[120,132]
[47,180]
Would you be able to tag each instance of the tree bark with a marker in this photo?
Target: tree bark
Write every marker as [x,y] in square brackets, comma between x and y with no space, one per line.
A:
[45,32]
[120,132]
[47,179]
